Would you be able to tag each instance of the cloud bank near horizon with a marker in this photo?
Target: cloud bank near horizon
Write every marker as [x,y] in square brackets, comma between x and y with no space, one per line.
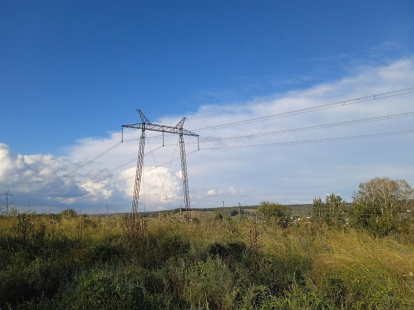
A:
[286,174]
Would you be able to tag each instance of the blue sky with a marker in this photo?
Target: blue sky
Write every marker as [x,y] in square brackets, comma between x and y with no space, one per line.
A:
[73,72]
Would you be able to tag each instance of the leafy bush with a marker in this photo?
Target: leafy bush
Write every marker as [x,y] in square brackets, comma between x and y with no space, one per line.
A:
[275,212]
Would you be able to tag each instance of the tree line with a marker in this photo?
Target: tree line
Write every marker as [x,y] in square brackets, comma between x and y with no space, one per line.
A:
[381,206]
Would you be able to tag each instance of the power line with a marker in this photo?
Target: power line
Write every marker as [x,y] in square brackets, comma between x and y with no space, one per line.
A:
[279,115]
[380,135]
[285,131]
[305,110]
[299,129]
[316,108]
[330,125]
[314,140]
[308,128]
[93,159]
[285,114]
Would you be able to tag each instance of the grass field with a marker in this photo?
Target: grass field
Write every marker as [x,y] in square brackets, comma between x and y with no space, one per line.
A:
[92,262]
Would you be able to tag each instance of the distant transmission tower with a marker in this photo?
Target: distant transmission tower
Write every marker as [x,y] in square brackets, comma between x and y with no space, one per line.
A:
[178,129]
[7,200]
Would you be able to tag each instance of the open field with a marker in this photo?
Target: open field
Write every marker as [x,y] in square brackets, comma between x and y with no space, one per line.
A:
[91,262]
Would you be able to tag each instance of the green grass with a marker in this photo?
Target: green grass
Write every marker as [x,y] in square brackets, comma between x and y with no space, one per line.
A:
[87,262]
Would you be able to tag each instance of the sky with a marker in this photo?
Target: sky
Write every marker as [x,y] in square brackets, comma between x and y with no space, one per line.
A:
[73,72]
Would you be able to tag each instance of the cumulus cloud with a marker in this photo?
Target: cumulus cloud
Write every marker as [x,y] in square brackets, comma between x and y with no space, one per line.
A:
[47,181]
[36,174]
[287,174]
[97,190]
[230,191]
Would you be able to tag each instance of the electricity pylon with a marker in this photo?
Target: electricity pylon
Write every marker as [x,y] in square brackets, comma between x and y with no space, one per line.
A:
[7,200]
[178,129]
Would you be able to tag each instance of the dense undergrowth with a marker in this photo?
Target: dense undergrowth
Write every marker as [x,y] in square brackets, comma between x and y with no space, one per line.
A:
[85,262]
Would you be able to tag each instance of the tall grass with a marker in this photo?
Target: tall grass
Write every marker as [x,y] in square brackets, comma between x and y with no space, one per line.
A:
[87,262]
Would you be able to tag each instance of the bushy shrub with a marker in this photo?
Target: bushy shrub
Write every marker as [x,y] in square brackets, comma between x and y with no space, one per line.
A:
[277,213]
[101,289]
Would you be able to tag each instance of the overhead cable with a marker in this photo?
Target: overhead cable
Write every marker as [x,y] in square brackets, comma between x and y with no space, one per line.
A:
[308,128]
[400,133]
[380,135]
[312,109]
[93,159]
[330,125]
[305,110]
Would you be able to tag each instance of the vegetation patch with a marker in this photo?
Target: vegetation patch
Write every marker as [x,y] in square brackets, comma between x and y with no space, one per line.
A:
[357,257]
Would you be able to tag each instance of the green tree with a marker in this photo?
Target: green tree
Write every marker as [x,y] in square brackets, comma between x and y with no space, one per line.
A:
[69,213]
[276,212]
[330,212]
[381,205]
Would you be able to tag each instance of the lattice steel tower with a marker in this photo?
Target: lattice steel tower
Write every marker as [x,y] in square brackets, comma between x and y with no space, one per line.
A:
[178,129]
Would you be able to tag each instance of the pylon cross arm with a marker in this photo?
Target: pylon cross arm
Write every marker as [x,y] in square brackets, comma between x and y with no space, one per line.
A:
[162,128]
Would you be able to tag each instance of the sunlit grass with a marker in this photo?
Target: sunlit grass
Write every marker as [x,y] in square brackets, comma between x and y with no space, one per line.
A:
[90,262]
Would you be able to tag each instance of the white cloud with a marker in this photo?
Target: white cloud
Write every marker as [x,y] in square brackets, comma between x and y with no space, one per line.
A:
[97,190]
[230,191]
[286,174]
[213,192]
[35,174]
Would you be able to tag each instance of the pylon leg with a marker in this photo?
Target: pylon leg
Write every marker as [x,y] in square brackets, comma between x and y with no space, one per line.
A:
[184,174]
[138,175]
